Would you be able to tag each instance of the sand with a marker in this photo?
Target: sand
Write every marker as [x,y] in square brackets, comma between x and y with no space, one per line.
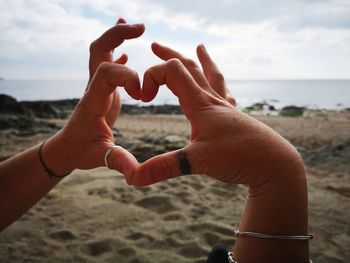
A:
[94,216]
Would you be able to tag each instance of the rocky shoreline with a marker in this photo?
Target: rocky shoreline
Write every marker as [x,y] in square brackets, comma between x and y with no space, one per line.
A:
[62,108]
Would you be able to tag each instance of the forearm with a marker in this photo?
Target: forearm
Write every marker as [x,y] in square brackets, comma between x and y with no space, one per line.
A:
[278,207]
[23,181]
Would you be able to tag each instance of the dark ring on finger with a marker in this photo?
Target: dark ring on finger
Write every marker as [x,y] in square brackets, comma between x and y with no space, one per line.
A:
[184,163]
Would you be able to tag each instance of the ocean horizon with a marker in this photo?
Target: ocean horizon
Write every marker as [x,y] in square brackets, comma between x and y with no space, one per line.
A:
[315,94]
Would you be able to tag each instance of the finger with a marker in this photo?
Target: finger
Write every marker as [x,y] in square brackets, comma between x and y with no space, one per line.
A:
[211,71]
[115,36]
[114,110]
[174,74]
[122,59]
[166,53]
[156,169]
[195,158]
[122,161]
[214,76]
[104,82]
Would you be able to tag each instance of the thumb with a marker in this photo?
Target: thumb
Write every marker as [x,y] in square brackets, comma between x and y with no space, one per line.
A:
[161,167]
[121,160]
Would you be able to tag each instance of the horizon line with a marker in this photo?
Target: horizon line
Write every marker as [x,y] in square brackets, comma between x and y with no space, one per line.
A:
[228,80]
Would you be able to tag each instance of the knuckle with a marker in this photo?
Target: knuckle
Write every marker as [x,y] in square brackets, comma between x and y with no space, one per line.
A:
[217,77]
[174,63]
[93,46]
[174,66]
[105,68]
[134,73]
[150,71]
[190,63]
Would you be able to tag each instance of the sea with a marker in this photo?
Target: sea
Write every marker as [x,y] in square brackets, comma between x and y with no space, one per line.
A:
[315,94]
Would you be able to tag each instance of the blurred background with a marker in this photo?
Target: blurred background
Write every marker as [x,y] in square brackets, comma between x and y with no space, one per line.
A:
[282,52]
[286,62]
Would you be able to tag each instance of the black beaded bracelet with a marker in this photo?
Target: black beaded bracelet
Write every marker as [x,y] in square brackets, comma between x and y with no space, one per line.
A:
[47,170]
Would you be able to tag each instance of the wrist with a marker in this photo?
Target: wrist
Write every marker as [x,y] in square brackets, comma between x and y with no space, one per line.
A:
[279,205]
[279,209]
[55,157]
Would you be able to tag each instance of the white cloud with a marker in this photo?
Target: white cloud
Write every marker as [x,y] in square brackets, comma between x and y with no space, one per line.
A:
[247,39]
[44,27]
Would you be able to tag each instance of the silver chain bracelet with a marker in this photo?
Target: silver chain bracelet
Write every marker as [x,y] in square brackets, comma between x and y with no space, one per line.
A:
[237,233]
[267,236]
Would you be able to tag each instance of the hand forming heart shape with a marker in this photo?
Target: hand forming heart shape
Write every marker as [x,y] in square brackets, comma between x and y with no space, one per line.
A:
[224,141]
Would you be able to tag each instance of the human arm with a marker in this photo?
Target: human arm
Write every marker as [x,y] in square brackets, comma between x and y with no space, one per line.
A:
[23,180]
[234,148]
[81,144]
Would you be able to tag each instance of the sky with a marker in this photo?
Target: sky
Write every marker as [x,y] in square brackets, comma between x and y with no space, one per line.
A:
[248,39]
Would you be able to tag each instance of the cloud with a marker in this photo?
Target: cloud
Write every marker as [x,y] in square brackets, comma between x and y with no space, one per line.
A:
[43,35]
[248,39]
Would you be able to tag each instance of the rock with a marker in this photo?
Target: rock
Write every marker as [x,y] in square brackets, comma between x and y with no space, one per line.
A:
[116,133]
[272,108]
[151,109]
[174,139]
[263,108]
[328,158]
[40,109]
[148,146]
[144,151]
[9,105]
[255,107]
[126,143]
[165,109]
[292,111]
[157,203]
[174,142]
[63,235]
[144,147]
[18,118]
[23,125]
[67,104]
[58,108]
[44,109]
[340,189]
[16,122]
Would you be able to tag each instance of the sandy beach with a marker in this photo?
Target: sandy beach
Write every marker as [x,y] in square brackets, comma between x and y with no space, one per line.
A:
[94,216]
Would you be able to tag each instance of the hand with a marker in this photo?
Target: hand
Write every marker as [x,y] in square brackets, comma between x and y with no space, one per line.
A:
[102,49]
[225,143]
[86,137]
[85,128]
